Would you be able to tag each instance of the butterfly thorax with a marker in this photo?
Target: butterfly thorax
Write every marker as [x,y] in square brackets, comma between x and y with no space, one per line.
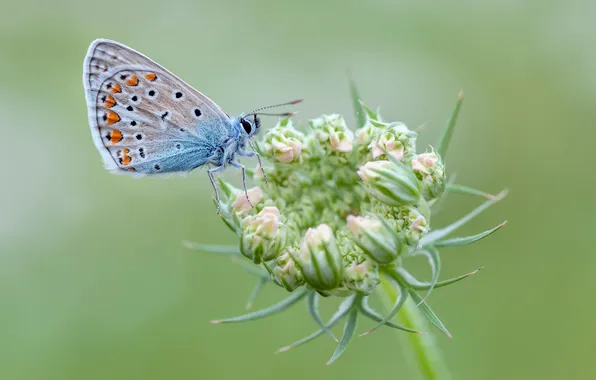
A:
[236,141]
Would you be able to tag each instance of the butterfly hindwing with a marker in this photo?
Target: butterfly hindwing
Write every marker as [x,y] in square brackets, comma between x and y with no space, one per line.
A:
[143,118]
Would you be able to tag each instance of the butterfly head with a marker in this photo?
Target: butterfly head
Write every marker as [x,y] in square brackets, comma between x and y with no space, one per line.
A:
[249,127]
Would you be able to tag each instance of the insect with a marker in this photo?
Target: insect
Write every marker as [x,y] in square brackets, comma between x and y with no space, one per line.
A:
[146,121]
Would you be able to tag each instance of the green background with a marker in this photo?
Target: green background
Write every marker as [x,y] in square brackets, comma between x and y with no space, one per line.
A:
[94,280]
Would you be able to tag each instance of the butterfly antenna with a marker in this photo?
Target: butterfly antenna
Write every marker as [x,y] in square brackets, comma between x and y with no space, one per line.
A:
[255,112]
[283,114]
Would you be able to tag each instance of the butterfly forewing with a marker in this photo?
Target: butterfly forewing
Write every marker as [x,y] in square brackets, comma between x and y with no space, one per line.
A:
[143,118]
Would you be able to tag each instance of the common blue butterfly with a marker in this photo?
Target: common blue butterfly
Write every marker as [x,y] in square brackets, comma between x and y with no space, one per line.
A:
[146,121]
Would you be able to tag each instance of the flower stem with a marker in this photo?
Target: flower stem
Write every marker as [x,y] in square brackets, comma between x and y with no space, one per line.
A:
[422,347]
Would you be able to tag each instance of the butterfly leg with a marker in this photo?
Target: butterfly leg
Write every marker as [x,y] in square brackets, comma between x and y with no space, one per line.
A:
[258,156]
[238,165]
[210,172]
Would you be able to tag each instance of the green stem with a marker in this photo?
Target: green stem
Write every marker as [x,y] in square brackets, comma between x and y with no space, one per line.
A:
[421,347]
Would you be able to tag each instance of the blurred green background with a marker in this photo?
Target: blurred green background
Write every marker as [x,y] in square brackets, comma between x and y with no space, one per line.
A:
[94,280]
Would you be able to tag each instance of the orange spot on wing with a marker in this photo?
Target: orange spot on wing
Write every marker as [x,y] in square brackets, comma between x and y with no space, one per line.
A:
[131,169]
[116,136]
[132,81]
[116,88]
[112,117]
[110,102]
[151,77]
[125,157]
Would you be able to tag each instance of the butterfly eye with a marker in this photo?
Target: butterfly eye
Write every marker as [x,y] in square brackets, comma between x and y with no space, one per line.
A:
[246,125]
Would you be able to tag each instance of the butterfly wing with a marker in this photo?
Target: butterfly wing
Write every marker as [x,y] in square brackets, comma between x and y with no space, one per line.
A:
[143,118]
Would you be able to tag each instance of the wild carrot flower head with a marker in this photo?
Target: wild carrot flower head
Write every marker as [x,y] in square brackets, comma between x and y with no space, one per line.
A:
[341,210]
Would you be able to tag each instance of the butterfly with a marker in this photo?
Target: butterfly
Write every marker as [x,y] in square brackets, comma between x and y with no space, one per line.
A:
[146,121]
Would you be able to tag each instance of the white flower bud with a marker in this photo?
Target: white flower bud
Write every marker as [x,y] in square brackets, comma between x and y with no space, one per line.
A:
[284,271]
[397,140]
[370,171]
[429,169]
[285,150]
[261,235]
[241,204]
[363,136]
[391,146]
[340,142]
[283,143]
[425,162]
[416,225]
[391,182]
[360,274]
[319,259]
[332,133]
[377,239]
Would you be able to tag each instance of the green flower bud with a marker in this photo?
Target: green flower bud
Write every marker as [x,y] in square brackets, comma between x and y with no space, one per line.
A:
[391,182]
[415,225]
[302,212]
[429,169]
[377,238]
[283,143]
[262,235]
[396,140]
[360,274]
[365,135]
[284,271]
[319,259]
[332,133]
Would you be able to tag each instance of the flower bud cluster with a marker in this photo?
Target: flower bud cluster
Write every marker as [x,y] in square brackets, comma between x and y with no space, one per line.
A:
[337,205]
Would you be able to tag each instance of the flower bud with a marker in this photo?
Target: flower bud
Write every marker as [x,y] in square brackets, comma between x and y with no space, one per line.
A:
[262,235]
[429,169]
[415,225]
[284,271]
[377,238]
[340,142]
[319,259]
[241,204]
[332,132]
[360,274]
[391,182]
[363,135]
[283,143]
[302,212]
[396,140]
